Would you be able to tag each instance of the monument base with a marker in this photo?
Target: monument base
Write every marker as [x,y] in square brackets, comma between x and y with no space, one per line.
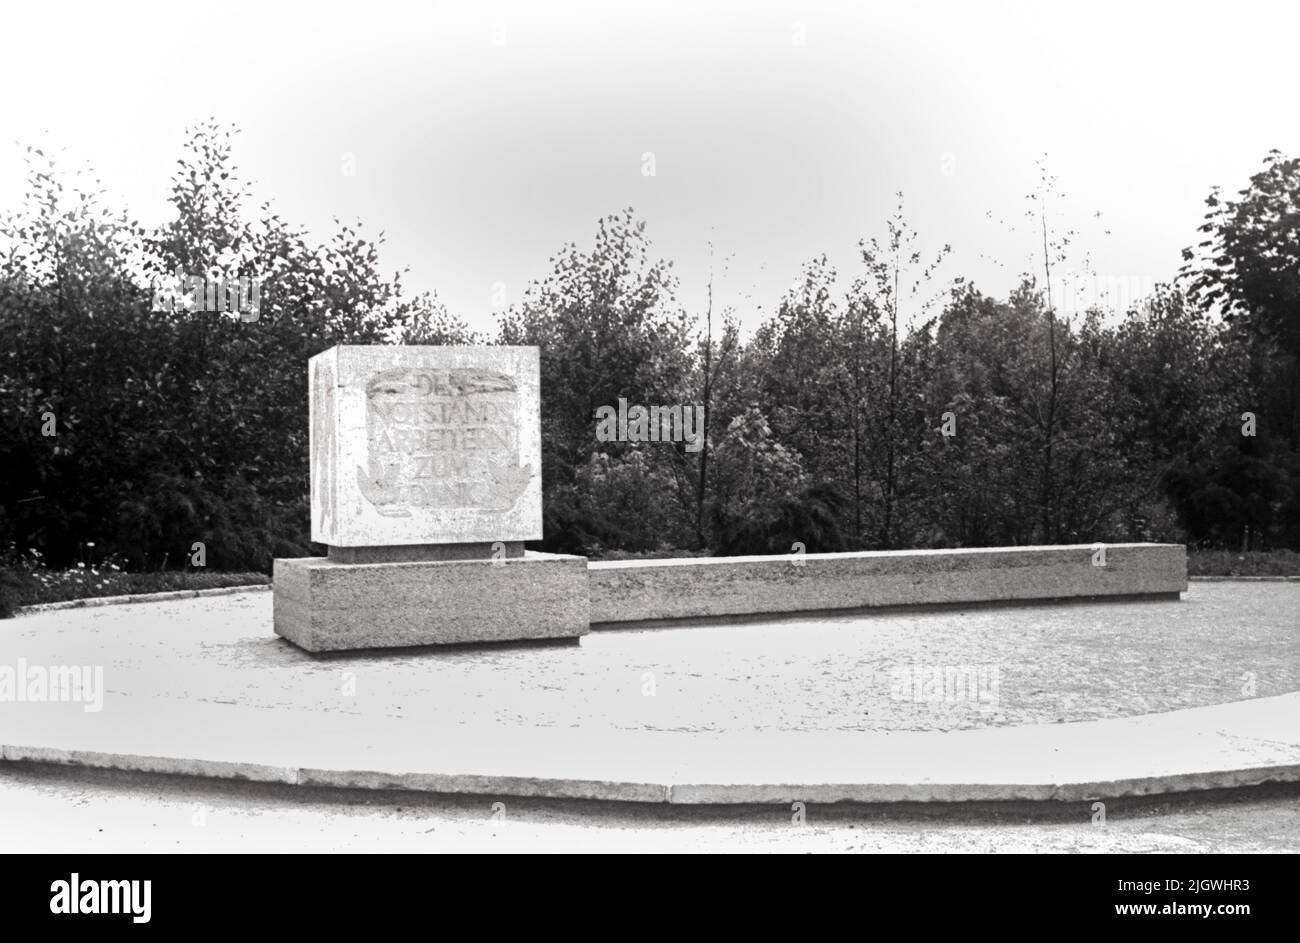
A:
[323,605]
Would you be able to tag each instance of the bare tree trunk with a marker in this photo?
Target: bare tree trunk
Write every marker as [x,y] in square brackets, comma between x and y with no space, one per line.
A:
[704,448]
[1046,500]
[857,436]
[890,477]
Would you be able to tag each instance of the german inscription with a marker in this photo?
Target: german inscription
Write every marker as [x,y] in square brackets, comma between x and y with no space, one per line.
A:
[442,438]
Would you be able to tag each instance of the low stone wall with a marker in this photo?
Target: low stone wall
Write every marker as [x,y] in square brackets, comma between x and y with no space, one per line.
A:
[646,590]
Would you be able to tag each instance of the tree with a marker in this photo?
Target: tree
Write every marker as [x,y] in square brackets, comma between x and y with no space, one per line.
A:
[710,369]
[608,326]
[429,322]
[764,502]
[895,276]
[800,377]
[173,425]
[1248,266]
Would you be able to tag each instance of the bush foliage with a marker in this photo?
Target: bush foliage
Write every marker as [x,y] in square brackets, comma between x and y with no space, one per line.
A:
[856,419]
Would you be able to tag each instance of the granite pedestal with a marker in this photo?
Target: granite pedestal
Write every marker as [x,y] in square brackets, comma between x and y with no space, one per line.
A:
[322,605]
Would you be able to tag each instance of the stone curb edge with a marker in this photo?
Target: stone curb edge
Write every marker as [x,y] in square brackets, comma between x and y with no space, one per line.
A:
[659,793]
[89,602]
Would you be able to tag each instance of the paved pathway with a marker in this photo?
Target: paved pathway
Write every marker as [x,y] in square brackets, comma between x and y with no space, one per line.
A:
[792,709]
[1056,663]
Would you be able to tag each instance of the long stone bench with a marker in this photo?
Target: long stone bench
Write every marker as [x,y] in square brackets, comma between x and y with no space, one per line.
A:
[648,590]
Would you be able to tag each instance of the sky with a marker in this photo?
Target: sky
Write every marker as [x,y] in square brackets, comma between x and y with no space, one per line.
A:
[482,137]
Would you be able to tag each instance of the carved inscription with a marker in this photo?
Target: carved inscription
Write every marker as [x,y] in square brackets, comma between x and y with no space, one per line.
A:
[442,438]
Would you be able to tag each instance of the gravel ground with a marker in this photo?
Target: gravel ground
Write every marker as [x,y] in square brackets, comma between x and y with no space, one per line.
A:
[1055,663]
[49,809]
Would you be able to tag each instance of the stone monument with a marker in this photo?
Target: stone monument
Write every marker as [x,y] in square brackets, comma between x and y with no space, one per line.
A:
[425,482]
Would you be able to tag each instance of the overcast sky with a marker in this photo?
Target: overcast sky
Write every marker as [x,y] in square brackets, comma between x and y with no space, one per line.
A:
[484,136]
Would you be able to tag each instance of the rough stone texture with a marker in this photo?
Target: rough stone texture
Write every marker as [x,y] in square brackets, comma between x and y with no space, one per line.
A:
[648,590]
[422,445]
[322,605]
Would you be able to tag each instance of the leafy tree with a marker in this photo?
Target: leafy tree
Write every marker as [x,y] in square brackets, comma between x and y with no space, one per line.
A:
[1249,263]
[711,369]
[764,502]
[1249,267]
[174,425]
[800,380]
[608,326]
[429,322]
[850,421]
[893,289]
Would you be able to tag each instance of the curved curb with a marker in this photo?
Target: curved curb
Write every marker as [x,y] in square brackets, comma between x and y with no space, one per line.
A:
[87,602]
[1246,743]
[667,793]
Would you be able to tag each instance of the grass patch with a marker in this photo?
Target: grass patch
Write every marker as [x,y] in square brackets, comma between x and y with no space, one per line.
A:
[646,554]
[1254,563]
[29,587]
